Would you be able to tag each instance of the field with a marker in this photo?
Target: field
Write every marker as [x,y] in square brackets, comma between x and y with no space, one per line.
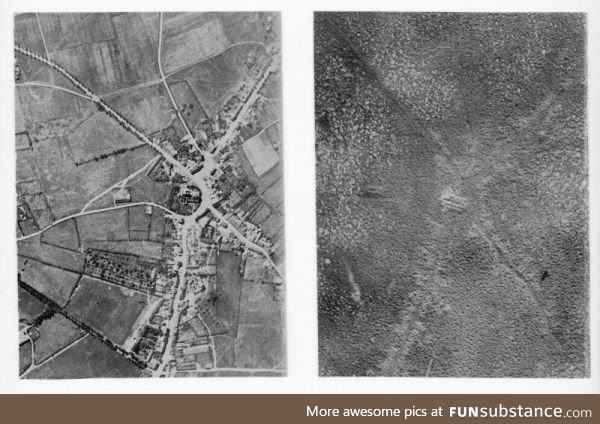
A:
[57,175]
[254,319]
[27,32]
[198,39]
[270,91]
[55,333]
[215,79]
[29,307]
[188,103]
[157,226]
[32,71]
[229,287]
[61,30]
[110,225]
[146,107]
[109,309]
[20,126]
[45,109]
[38,206]
[260,341]
[225,351]
[261,154]
[119,227]
[145,189]
[25,167]
[24,356]
[51,255]
[138,219]
[109,52]
[273,196]
[243,27]
[189,38]
[55,283]
[63,235]
[88,358]
[99,135]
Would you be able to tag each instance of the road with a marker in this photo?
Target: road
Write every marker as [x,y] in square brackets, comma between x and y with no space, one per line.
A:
[250,100]
[37,18]
[112,208]
[177,308]
[53,87]
[164,79]
[33,365]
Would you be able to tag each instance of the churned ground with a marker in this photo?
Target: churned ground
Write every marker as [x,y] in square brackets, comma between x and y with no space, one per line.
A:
[452,194]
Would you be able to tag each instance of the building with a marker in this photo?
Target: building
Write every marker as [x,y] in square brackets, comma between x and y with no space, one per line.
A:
[189,196]
[122,196]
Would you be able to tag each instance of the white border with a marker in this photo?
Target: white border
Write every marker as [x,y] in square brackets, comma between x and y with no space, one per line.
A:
[301,296]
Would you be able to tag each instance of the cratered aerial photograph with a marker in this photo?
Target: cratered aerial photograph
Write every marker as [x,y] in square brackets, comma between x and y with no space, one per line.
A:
[452,194]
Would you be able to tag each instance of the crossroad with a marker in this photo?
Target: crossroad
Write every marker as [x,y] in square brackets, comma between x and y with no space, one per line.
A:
[199,179]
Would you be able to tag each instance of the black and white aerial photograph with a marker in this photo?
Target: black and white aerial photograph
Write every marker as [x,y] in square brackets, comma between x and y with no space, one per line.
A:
[452,194]
[149,186]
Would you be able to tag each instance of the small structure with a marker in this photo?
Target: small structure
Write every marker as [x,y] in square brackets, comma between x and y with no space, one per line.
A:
[122,196]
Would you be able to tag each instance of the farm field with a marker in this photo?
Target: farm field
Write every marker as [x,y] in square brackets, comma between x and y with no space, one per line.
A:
[99,135]
[55,333]
[107,308]
[56,175]
[55,283]
[35,248]
[146,106]
[29,307]
[105,42]
[65,235]
[87,358]
[212,35]
[25,359]
[109,225]
[229,283]
[145,189]
[260,335]
[215,79]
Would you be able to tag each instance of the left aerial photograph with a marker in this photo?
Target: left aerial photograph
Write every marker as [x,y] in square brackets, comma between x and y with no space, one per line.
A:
[149,184]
